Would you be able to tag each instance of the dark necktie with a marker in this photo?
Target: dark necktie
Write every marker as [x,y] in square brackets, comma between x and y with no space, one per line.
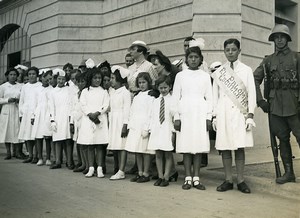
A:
[231,65]
[162,110]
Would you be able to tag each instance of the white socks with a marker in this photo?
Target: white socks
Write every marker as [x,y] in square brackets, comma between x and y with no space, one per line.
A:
[90,173]
[100,172]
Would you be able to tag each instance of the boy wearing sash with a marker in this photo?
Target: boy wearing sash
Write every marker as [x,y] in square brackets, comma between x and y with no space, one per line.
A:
[234,102]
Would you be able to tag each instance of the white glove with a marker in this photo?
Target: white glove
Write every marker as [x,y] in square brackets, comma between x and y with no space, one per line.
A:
[53,126]
[145,134]
[249,124]
[214,124]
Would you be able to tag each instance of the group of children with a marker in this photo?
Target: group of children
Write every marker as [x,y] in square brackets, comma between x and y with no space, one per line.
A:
[93,107]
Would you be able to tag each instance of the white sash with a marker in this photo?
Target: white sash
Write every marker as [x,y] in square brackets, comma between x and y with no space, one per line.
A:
[233,87]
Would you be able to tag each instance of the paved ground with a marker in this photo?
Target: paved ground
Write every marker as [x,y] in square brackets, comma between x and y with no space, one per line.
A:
[30,191]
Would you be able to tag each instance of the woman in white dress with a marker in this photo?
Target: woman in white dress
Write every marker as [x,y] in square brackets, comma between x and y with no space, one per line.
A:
[138,125]
[120,100]
[27,105]
[60,112]
[93,131]
[192,94]
[42,127]
[9,117]
[233,125]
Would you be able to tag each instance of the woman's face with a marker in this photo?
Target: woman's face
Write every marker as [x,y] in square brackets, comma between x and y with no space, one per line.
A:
[96,80]
[32,76]
[81,84]
[158,65]
[143,84]
[113,81]
[232,52]
[193,60]
[12,77]
[106,82]
[61,80]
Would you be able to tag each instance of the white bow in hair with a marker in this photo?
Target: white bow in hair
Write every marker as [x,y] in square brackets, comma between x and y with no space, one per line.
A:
[123,71]
[22,67]
[90,63]
[41,71]
[59,72]
[199,42]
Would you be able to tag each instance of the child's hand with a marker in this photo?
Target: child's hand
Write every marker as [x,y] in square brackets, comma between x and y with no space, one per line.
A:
[124,131]
[177,125]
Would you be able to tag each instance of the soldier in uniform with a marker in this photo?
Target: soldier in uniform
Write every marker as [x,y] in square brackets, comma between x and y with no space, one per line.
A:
[280,72]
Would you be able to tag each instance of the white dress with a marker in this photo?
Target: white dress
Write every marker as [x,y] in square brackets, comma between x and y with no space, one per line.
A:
[138,122]
[93,99]
[231,127]
[161,134]
[9,117]
[27,105]
[76,115]
[120,101]
[42,125]
[60,112]
[192,95]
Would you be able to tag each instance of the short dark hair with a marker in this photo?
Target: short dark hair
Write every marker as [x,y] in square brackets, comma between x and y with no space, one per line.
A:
[128,55]
[141,49]
[10,70]
[119,77]
[48,72]
[91,72]
[68,65]
[34,69]
[187,39]
[145,76]
[163,78]
[195,49]
[234,41]
[81,76]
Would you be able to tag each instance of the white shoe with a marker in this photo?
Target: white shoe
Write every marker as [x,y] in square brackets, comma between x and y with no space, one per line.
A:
[90,173]
[100,172]
[40,162]
[119,175]
[48,162]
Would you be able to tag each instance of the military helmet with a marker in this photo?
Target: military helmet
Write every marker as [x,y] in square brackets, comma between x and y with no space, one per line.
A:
[280,28]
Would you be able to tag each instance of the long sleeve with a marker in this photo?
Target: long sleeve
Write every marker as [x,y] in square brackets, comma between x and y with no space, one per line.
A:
[215,98]
[148,107]
[52,106]
[21,102]
[176,95]
[258,75]
[209,100]
[126,108]
[83,102]
[251,93]
[105,103]
[2,99]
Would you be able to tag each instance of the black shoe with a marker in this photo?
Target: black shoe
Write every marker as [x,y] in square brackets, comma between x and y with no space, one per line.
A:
[78,165]
[34,160]
[8,157]
[243,187]
[187,185]
[143,179]
[225,186]
[164,183]
[79,169]
[180,162]
[134,179]
[85,171]
[28,160]
[287,177]
[174,177]
[55,166]
[198,185]
[158,182]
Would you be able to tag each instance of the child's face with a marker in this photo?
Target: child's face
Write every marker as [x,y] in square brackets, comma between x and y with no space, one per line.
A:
[193,60]
[72,78]
[61,80]
[45,80]
[12,76]
[32,77]
[106,82]
[81,84]
[164,88]
[143,84]
[232,52]
[96,80]
[113,81]
[25,79]
[53,81]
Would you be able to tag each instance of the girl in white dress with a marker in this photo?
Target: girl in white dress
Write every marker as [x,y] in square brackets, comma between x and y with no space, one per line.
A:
[193,111]
[41,122]
[9,119]
[93,131]
[138,125]
[120,100]
[60,112]
[27,105]
[234,127]
[161,130]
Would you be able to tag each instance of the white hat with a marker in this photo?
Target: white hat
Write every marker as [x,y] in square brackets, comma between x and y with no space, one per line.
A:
[41,71]
[140,43]
[215,65]
[59,72]
[123,71]
[199,42]
[22,67]
[90,63]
